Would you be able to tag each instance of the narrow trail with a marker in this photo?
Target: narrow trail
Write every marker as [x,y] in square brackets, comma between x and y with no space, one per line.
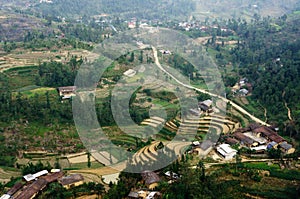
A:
[265,113]
[286,106]
[289,111]
[175,146]
[237,107]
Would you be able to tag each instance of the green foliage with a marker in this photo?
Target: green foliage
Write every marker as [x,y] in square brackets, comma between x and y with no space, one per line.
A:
[56,190]
[274,153]
[56,74]
[31,168]
[8,153]
[286,174]
[126,182]
[130,8]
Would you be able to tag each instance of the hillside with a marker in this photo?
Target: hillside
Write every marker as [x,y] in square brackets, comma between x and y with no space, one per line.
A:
[162,9]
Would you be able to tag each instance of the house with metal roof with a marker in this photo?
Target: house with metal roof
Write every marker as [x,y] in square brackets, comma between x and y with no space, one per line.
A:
[5,196]
[286,148]
[32,190]
[151,179]
[67,92]
[226,151]
[71,181]
[31,177]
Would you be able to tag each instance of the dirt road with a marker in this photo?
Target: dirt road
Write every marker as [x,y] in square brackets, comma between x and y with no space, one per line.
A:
[237,107]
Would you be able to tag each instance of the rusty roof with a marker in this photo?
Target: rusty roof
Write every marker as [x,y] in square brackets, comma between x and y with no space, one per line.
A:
[150,177]
[243,138]
[33,189]
[15,188]
[67,180]
[67,88]
[53,176]
[230,140]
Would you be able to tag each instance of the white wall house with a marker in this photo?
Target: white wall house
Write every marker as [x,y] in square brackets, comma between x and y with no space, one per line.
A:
[226,151]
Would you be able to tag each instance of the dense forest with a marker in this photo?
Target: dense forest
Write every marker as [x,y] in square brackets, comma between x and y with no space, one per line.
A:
[130,8]
[267,54]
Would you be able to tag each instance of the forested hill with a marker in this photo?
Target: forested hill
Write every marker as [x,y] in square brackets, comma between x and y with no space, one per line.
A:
[269,55]
[161,9]
[155,9]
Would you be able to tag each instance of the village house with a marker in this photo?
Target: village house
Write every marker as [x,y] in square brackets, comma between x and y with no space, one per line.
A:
[195,111]
[31,177]
[231,141]
[5,196]
[244,140]
[205,105]
[226,151]
[70,181]
[273,145]
[134,195]
[132,24]
[154,195]
[130,73]
[39,181]
[203,148]
[67,92]
[172,175]
[261,138]
[243,92]
[151,179]
[268,133]
[142,194]
[165,52]
[15,189]
[53,176]
[255,138]
[32,190]
[286,148]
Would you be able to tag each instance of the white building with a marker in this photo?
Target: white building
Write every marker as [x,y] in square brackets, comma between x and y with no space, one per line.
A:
[30,177]
[130,73]
[226,151]
[5,196]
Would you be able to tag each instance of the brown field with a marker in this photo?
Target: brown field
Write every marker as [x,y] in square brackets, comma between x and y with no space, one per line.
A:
[33,58]
[5,175]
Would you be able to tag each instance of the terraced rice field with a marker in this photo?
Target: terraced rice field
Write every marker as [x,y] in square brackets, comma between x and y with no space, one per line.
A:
[189,126]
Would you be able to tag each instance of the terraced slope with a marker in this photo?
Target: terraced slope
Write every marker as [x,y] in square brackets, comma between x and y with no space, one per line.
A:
[203,125]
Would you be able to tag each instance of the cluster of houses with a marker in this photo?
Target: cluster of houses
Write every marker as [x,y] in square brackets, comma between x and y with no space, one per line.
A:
[46,1]
[187,26]
[242,88]
[151,180]
[133,23]
[33,184]
[255,137]
[260,138]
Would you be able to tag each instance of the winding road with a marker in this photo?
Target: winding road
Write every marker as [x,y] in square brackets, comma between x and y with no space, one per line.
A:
[234,105]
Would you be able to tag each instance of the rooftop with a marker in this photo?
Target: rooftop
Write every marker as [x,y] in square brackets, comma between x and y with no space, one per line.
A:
[243,138]
[260,140]
[285,146]
[30,191]
[53,176]
[226,148]
[67,89]
[71,179]
[150,177]
[15,188]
